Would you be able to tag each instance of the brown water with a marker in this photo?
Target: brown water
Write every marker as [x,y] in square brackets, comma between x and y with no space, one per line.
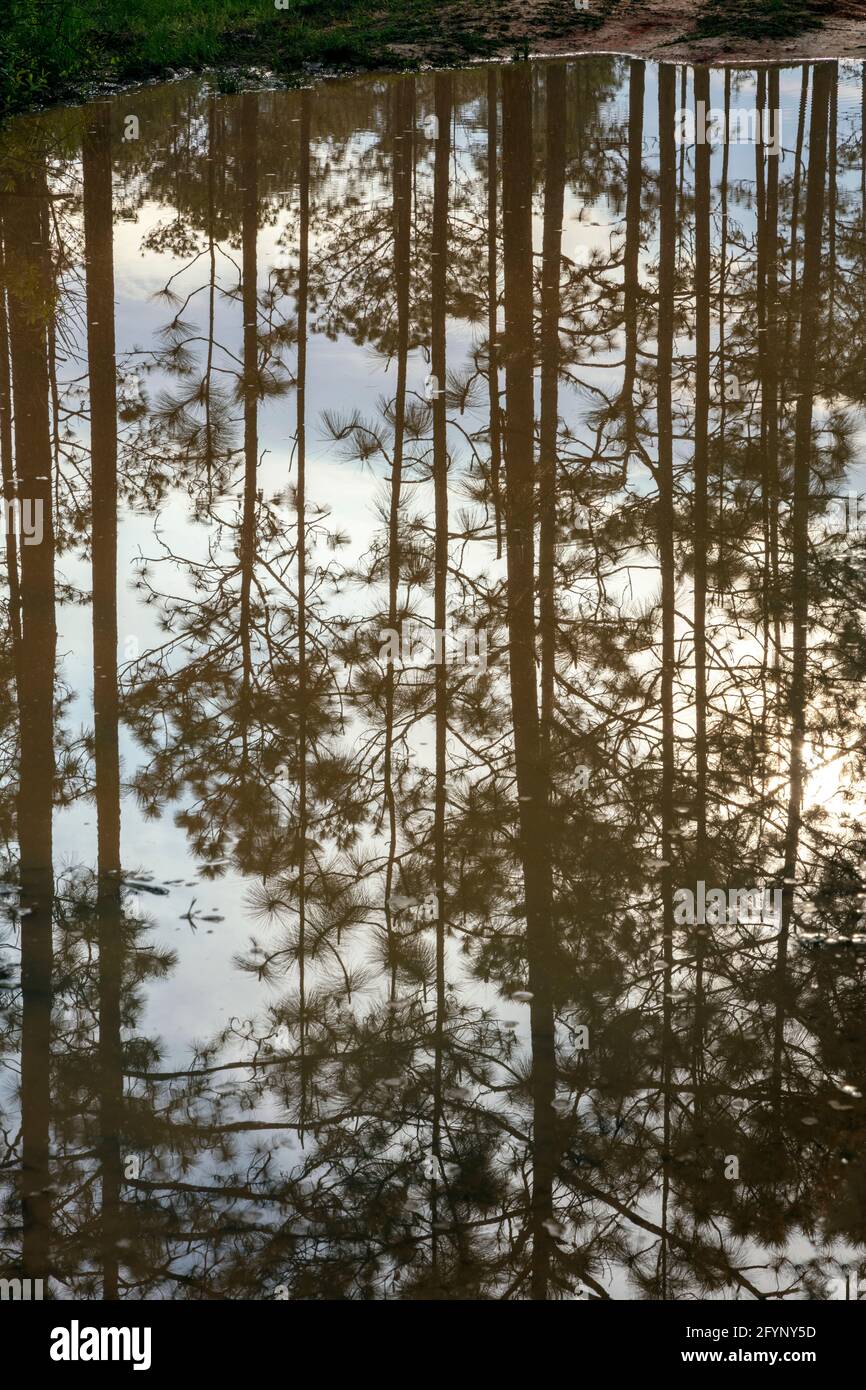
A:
[340,960]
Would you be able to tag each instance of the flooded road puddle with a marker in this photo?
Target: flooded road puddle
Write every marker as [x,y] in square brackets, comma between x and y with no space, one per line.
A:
[433,646]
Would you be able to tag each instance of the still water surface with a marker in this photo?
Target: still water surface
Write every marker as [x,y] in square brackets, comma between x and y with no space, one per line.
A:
[339,959]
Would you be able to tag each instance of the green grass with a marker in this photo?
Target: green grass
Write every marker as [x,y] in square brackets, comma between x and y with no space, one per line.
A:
[59,49]
[51,49]
[759,19]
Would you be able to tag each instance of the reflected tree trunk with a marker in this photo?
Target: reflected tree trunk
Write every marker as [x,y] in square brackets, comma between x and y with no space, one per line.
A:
[631,267]
[443,89]
[493,300]
[551,263]
[723,406]
[404,115]
[8,469]
[301,505]
[30,297]
[795,216]
[665,543]
[832,179]
[249,299]
[532,786]
[700,522]
[211,218]
[806,376]
[701,452]
[770,379]
[99,245]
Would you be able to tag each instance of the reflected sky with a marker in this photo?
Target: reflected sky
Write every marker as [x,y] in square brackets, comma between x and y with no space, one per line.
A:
[431,766]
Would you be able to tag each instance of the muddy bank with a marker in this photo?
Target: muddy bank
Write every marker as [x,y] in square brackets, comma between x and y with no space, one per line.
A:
[669,30]
[300,42]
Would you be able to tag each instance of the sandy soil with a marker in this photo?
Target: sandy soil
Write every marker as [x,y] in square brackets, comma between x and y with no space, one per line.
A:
[662,29]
